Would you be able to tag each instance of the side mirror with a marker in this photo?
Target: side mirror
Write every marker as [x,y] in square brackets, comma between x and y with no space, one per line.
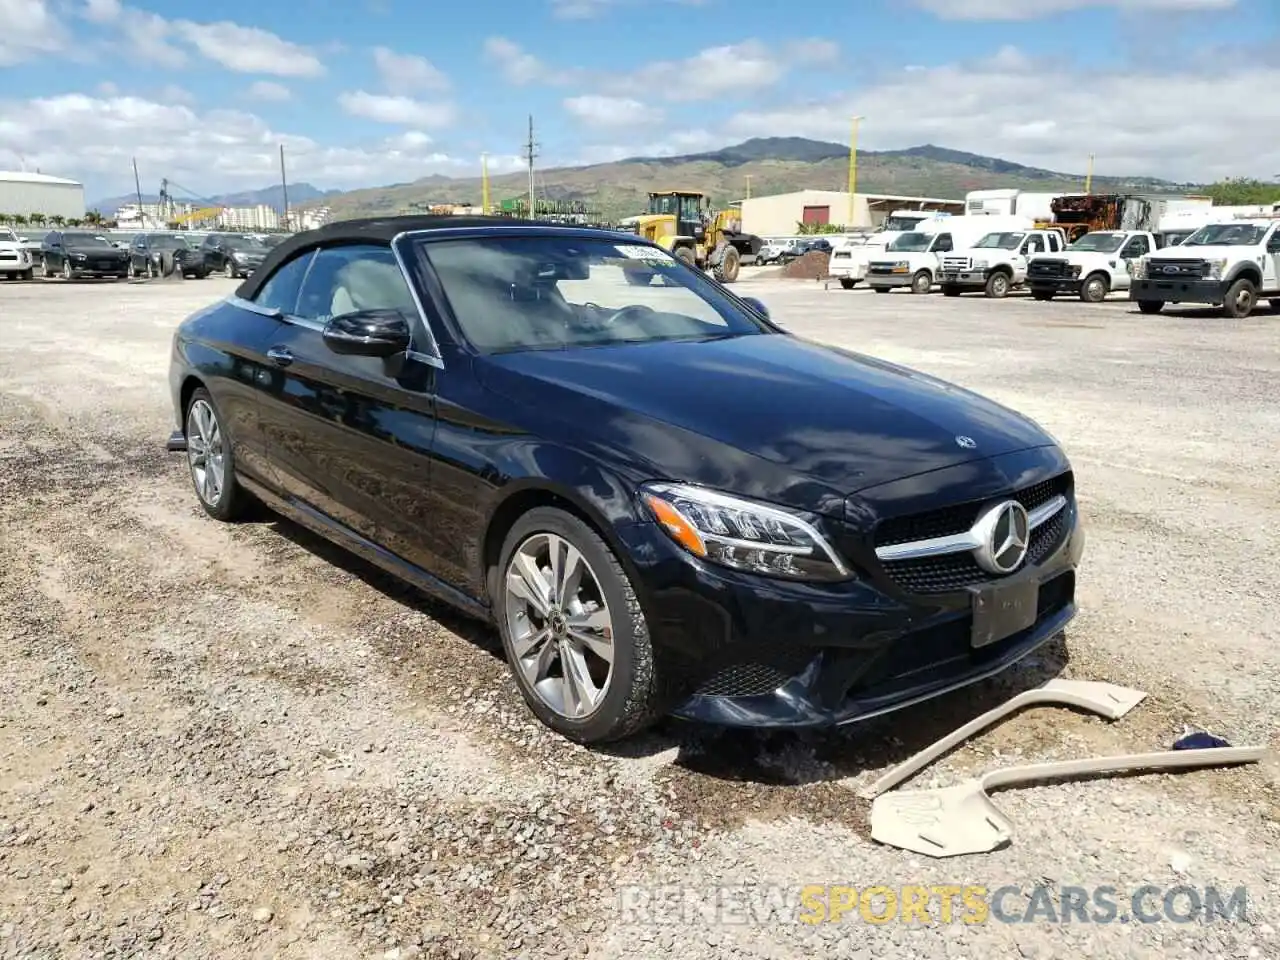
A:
[368,333]
[757,306]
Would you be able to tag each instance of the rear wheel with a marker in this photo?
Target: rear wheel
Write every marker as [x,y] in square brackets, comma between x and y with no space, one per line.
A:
[211,460]
[1150,306]
[151,269]
[922,282]
[727,267]
[997,286]
[1240,300]
[575,637]
[950,290]
[883,289]
[848,283]
[1042,294]
[1274,301]
[1095,288]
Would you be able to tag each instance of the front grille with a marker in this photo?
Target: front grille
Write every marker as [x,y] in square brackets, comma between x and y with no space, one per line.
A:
[955,264]
[1054,269]
[760,672]
[1176,269]
[955,571]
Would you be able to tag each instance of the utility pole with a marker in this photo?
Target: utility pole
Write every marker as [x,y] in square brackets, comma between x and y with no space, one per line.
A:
[137,185]
[284,189]
[484,184]
[1088,177]
[531,151]
[853,171]
[748,178]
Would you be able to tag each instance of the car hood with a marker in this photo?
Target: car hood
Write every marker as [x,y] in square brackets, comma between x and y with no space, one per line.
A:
[1203,252]
[776,417]
[94,251]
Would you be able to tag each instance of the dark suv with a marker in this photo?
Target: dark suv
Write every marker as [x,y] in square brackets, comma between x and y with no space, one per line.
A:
[233,254]
[74,254]
[150,253]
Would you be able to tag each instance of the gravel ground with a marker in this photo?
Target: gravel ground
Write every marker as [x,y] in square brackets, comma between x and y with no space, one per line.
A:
[235,741]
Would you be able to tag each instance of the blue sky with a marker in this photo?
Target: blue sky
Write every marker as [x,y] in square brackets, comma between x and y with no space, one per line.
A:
[369,92]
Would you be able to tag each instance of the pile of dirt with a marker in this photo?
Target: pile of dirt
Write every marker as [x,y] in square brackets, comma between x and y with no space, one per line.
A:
[811,266]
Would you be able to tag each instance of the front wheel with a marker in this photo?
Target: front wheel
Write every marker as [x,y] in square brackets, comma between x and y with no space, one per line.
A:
[1095,288]
[684,253]
[1240,300]
[575,637]
[848,283]
[211,459]
[883,289]
[922,282]
[726,268]
[229,270]
[67,272]
[997,286]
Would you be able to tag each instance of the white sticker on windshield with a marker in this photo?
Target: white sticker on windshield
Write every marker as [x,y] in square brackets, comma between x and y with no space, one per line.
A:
[635,251]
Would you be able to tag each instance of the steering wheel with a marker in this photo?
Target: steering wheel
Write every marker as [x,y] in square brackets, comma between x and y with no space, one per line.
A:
[614,317]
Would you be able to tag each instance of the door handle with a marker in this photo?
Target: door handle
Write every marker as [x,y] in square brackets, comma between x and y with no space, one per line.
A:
[280,356]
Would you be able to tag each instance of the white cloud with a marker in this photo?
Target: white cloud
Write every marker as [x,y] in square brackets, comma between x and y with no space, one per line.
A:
[404,71]
[28,29]
[521,67]
[1036,9]
[600,111]
[172,93]
[102,11]
[1149,133]
[393,109]
[108,89]
[269,91]
[249,49]
[93,139]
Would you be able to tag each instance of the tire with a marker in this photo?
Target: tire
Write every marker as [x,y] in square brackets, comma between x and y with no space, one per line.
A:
[28,274]
[949,290]
[848,283]
[230,500]
[997,287]
[151,269]
[922,282]
[727,267]
[1095,288]
[133,271]
[44,269]
[1274,301]
[883,289]
[631,698]
[1150,306]
[67,272]
[167,265]
[1240,299]
[683,253]
[1041,294]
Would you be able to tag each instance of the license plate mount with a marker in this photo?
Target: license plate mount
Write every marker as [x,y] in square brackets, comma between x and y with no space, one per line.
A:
[1002,609]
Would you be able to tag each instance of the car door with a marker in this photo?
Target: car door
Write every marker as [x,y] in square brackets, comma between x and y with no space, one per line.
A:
[351,436]
[1133,250]
[138,255]
[52,252]
[1271,279]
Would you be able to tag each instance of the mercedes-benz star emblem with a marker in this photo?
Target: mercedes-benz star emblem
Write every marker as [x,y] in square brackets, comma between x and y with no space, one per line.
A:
[1004,532]
[968,443]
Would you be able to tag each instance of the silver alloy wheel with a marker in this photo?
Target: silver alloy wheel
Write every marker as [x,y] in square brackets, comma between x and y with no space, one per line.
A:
[66,270]
[1244,300]
[1095,290]
[229,269]
[205,453]
[559,624]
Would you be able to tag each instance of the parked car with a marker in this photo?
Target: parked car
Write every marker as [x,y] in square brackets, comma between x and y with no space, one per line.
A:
[150,254]
[232,254]
[76,253]
[664,502]
[15,260]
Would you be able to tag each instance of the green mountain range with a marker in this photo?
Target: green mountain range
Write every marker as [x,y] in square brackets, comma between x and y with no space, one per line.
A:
[768,165]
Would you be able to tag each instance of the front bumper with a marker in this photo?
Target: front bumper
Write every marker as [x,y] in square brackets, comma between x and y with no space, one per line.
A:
[1179,291]
[846,270]
[1056,284]
[757,652]
[893,280]
[963,278]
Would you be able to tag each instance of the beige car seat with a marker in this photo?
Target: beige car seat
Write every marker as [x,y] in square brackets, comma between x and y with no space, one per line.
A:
[370,285]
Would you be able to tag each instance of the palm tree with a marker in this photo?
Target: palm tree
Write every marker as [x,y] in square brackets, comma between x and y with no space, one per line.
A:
[73,222]
[36,219]
[57,220]
[93,218]
[17,219]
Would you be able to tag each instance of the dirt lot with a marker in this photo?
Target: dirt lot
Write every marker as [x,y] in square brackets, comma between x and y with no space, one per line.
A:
[235,742]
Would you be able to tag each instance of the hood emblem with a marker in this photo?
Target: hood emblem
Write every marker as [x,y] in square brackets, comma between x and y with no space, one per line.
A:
[966,443]
[1004,532]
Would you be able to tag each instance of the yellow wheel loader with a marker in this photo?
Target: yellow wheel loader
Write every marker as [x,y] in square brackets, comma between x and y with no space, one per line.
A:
[683,222]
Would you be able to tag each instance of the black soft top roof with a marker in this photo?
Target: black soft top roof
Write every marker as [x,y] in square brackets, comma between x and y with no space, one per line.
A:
[379,230]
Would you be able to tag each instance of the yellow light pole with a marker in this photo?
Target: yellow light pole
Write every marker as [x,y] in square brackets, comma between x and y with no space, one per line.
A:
[484,184]
[748,177]
[853,170]
[1088,177]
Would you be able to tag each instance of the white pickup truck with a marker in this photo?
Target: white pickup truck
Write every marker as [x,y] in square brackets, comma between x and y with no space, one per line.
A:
[998,262]
[912,259]
[849,260]
[15,258]
[1227,264]
[1090,268]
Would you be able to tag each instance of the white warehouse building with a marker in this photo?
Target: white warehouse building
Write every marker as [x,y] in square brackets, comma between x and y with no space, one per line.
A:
[27,193]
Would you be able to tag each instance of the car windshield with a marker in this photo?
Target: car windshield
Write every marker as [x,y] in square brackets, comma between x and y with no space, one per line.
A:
[911,243]
[1226,235]
[169,241]
[1098,243]
[900,223]
[546,293]
[85,240]
[7,234]
[1000,241]
[247,244]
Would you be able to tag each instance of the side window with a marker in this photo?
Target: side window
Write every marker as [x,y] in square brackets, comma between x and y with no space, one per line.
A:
[1273,245]
[943,243]
[1033,245]
[281,289]
[1135,248]
[1054,244]
[359,277]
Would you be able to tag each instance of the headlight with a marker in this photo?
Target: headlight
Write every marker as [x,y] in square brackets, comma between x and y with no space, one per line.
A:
[743,534]
[1215,268]
[1075,270]
[901,264]
[239,257]
[1140,268]
[980,264]
[78,256]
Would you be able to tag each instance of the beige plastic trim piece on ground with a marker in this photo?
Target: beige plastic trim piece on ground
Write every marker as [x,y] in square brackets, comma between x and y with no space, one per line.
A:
[951,821]
[1105,699]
